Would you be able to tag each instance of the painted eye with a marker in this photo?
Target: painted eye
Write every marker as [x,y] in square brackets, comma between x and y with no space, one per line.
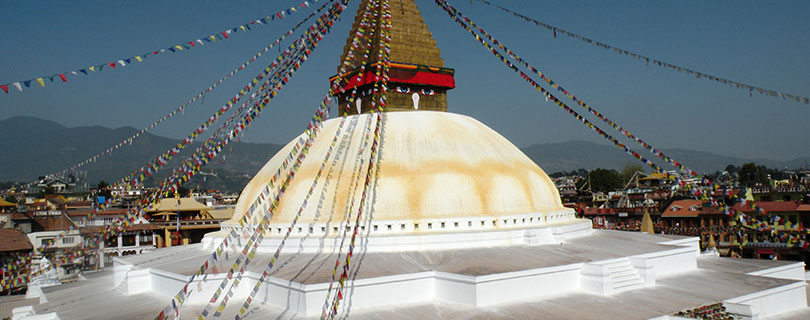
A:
[403,89]
[428,92]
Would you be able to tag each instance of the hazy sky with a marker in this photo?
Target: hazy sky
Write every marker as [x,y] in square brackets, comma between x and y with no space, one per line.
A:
[763,43]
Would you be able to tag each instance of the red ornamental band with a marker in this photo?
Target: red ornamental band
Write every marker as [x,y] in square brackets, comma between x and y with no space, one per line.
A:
[401,73]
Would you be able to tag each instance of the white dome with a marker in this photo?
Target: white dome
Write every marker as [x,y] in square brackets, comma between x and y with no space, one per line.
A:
[433,165]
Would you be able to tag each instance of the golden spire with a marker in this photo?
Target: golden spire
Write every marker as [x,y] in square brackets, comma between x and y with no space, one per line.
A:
[417,77]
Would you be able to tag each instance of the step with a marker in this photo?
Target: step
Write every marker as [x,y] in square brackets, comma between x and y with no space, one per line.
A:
[628,283]
[623,271]
[617,279]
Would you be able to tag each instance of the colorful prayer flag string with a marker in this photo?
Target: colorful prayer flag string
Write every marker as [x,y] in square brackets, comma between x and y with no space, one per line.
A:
[648,60]
[186,45]
[181,109]
[454,14]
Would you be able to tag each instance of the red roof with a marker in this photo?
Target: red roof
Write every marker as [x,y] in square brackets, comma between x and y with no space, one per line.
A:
[770,206]
[14,240]
[689,208]
[803,207]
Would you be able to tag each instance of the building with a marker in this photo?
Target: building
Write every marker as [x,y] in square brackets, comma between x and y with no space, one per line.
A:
[788,235]
[7,207]
[14,261]
[698,218]
[184,221]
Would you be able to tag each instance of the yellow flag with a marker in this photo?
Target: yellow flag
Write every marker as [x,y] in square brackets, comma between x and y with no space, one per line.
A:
[138,58]
[41,83]
[178,47]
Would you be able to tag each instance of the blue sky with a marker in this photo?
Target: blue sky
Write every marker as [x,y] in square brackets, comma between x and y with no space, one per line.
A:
[765,44]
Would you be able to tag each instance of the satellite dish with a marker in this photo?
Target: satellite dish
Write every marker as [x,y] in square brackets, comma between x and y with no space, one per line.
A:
[415,98]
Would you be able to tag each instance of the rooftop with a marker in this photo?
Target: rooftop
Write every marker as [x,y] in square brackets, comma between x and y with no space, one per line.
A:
[13,240]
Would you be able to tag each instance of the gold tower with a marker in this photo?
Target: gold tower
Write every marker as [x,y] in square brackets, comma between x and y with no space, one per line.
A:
[417,77]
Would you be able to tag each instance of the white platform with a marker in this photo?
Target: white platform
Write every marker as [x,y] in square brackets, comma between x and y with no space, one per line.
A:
[595,275]
[602,263]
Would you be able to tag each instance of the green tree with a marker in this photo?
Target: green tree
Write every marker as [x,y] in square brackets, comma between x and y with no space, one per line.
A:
[602,180]
[102,189]
[629,170]
[751,175]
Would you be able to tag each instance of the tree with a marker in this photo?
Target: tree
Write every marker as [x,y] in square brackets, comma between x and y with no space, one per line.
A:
[752,175]
[629,170]
[103,190]
[183,191]
[602,180]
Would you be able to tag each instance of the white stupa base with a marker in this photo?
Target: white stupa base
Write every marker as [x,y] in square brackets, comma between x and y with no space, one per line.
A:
[478,277]
[413,235]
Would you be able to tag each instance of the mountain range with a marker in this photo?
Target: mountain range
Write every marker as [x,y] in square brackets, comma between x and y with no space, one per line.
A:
[33,147]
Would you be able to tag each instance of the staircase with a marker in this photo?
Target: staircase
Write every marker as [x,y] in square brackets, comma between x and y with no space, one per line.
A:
[610,276]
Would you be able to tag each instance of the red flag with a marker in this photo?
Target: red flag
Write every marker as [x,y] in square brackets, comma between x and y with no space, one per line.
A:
[4,87]
[112,65]
[225,35]
[62,76]
[162,315]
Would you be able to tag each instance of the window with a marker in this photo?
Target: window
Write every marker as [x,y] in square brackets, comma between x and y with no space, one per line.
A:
[442,225]
[402,226]
[67,240]
[47,241]
[416,226]
[389,227]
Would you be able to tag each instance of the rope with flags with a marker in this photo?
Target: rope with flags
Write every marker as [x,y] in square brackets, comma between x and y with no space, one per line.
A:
[342,73]
[454,14]
[172,183]
[178,47]
[273,259]
[697,74]
[101,207]
[384,25]
[181,108]
[182,295]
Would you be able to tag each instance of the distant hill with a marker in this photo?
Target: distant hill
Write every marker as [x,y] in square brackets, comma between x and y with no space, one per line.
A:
[32,147]
[572,155]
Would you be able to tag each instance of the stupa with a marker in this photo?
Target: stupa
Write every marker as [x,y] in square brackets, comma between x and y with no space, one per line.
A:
[459,223]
